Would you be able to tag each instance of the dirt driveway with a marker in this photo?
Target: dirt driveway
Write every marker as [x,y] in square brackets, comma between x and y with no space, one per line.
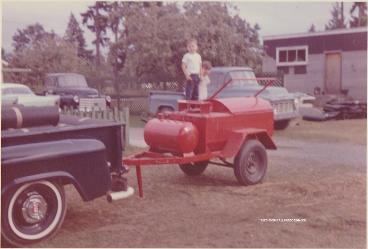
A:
[314,195]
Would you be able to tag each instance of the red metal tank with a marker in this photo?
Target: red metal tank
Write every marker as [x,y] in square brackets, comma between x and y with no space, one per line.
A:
[171,136]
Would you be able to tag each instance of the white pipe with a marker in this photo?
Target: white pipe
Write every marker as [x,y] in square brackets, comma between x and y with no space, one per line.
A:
[114,196]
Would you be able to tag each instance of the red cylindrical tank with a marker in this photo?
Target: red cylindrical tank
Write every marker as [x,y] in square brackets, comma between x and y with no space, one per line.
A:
[170,135]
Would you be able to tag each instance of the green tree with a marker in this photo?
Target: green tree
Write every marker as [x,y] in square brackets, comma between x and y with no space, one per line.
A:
[5,55]
[118,47]
[74,35]
[157,34]
[312,28]
[97,21]
[47,55]
[224,39]
[361,19]
[30,36]
[337,20]
[153,34]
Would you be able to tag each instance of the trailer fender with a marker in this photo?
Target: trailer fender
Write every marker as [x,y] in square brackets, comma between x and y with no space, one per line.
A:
[238,137]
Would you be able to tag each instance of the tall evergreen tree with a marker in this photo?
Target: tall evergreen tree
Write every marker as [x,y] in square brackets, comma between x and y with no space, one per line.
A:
[97,21]
[118,47]
[6,56]
[3,54]
[74,35]
[337,20]
[361,19]
[312,28]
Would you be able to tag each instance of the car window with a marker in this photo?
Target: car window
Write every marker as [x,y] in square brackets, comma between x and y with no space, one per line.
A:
[243,78]
[72,80]
[240,78]
[216,79]
[17,91]
[6,91]
[50,81]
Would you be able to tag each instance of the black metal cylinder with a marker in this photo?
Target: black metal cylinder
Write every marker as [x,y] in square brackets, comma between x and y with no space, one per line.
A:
[27,116]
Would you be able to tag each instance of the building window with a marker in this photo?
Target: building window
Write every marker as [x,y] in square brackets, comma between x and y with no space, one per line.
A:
[301,54]
[282,56]
[292,56]
[300,69]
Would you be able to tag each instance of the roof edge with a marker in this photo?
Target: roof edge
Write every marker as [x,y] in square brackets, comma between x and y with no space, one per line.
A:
[317,33]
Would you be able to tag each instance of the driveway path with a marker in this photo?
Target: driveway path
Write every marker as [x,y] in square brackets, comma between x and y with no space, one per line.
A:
[136,137]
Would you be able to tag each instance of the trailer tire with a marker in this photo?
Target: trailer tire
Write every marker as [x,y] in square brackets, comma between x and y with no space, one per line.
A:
[32,212]
[250,163]
[194,169]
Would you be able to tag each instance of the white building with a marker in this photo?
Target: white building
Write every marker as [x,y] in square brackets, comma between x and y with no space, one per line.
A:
[335,61]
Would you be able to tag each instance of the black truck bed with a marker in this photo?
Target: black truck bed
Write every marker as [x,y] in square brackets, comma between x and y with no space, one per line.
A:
[108,132]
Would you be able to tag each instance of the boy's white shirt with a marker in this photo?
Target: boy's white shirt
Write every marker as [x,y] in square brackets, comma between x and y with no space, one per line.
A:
[193,62]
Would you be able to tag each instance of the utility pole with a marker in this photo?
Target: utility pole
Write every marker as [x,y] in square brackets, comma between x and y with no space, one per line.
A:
[342,15]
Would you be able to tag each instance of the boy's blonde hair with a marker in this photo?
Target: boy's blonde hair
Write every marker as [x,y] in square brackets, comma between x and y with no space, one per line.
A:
[192,40]
[207,65]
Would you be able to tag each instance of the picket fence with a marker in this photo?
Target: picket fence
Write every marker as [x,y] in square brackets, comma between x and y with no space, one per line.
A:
[121,116]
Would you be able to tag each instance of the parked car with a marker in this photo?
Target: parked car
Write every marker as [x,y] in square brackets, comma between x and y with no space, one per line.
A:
[336,109]
[41,152]
[284,103]
[12,93]
[8,100]
[74,92]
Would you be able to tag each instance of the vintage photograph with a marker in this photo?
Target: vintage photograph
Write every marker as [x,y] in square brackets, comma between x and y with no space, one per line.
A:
[183,124]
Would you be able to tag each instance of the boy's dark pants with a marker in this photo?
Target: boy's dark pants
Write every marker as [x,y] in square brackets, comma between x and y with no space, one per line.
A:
[191,87]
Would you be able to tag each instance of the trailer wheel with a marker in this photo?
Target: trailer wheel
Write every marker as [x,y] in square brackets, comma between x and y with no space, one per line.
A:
[194,169]
[32,212]
[250,163]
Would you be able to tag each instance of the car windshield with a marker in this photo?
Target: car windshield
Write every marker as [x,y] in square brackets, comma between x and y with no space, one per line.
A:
[242,78]
[72,80]
[17,91]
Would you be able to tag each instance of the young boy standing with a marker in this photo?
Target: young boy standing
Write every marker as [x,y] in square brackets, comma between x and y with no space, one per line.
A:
[191,66]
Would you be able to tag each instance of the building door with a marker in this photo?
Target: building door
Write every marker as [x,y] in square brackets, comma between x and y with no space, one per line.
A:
[333,73]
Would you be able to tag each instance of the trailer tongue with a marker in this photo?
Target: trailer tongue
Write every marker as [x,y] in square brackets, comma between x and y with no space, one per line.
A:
[233,128]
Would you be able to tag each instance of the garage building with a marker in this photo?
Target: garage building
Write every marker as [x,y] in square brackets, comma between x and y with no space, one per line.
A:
[334,60]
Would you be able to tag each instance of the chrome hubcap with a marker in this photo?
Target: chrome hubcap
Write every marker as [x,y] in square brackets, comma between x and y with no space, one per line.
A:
[34,208]
[252,163]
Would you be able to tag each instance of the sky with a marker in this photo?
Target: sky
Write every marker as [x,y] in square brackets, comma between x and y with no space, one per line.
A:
[274,18]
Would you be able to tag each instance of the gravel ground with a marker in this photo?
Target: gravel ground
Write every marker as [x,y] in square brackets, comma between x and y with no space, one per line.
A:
[314,195]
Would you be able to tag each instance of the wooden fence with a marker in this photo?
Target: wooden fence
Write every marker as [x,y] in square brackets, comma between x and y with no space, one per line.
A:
[136,104]
[121,116]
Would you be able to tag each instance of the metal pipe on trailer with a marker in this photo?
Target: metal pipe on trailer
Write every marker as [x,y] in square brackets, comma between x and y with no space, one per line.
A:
[149,158]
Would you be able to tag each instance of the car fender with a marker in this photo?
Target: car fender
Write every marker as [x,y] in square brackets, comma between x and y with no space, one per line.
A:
[81,162]
[62,176]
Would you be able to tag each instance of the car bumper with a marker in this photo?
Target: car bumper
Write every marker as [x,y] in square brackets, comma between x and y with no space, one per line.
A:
[284,116]
[283,110]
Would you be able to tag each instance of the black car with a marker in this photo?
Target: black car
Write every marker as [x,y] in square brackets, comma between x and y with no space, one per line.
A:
[74,92]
